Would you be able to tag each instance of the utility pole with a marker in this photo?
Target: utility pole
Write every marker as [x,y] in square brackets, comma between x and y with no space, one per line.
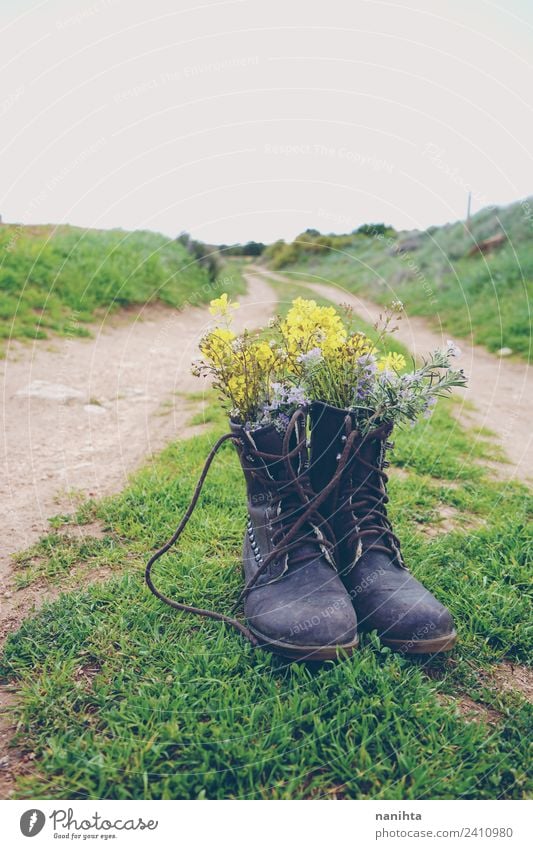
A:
[468,211]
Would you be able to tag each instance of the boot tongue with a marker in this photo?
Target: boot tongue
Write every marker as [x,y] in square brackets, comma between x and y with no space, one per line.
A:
[365,479]
[268,440]
[371,451]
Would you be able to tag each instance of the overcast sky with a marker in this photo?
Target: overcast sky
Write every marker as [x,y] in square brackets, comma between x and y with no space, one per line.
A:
[240,119]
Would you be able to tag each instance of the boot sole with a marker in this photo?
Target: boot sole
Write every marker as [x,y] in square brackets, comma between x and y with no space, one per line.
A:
[439,644]
[295,652]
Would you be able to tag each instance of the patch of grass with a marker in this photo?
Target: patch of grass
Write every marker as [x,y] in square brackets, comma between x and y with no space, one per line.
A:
[179,707]
[58,556]
[56,278]
[208,415]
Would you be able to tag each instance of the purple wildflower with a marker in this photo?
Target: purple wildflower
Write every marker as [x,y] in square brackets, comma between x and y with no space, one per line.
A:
[283,396]
[311,358]
[429,407]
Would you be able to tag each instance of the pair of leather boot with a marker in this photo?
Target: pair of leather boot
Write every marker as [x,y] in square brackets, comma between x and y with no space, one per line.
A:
[321,561]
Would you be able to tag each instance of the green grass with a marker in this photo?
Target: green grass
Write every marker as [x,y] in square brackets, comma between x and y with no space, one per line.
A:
[57,278]
[121,697]
[489,296]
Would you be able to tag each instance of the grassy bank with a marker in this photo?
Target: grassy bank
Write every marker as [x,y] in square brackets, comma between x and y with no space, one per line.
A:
[58,278]
[437,273]
[121,697]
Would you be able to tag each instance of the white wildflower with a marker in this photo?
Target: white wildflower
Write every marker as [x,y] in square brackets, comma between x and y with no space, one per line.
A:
[453,350]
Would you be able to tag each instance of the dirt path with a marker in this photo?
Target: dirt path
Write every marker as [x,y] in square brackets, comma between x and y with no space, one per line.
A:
[78,415]
[500,390]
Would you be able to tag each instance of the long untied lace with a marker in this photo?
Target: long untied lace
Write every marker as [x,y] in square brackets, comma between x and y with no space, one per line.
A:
[299,505]
[366,497]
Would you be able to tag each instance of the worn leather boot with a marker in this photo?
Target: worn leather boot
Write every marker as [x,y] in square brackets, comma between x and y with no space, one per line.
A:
[386,596]
[294,600]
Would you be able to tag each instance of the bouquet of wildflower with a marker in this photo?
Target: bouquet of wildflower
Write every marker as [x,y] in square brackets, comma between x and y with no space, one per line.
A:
[341,366]
[316,354]
[246,370]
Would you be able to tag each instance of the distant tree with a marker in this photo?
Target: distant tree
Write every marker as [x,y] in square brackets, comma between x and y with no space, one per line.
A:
[373,229]
[205,256]
[253,249]
[184,239]
[249,249]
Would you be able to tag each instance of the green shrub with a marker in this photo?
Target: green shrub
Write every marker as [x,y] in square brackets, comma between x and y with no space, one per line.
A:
[55,278]
[435,274]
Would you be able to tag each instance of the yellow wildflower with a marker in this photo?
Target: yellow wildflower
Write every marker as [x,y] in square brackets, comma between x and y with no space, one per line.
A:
[222,306]
[264,354]
[392,362]
[309,326]
[237,387]
[217,345]
[357,345]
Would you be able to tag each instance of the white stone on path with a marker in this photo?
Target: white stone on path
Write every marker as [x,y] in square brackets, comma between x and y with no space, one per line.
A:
[50,391]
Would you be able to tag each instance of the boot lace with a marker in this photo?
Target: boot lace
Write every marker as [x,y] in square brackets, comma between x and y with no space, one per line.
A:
[364,499]
[292,524]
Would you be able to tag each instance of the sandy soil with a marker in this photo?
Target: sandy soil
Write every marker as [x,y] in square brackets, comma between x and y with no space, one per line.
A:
[79,414]
[500,390]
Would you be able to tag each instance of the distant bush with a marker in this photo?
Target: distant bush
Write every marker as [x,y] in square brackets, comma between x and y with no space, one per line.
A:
[308,244]
[314,244]
[248,249]
[277,255]
[207,257]
[374,230]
